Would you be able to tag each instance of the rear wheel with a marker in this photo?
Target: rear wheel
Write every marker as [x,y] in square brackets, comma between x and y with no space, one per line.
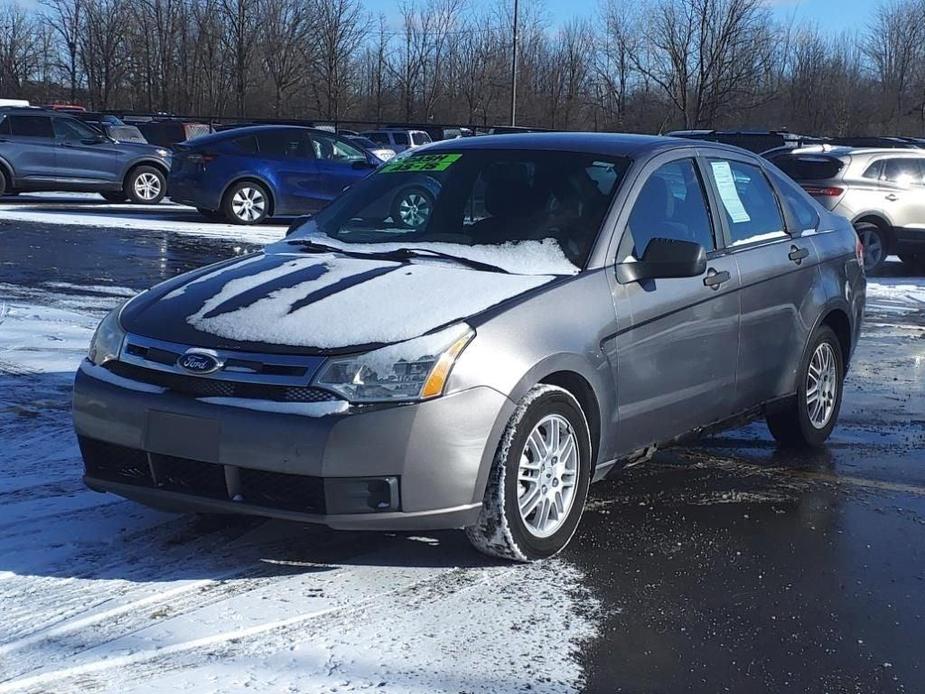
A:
[539,479]
[875,240]
[145,185]
[807,419]
[246,202]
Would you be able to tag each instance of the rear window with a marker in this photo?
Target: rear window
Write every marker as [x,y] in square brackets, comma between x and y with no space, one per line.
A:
[806,167]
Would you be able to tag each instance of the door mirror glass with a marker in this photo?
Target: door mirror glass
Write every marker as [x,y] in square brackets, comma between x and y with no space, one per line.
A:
[665,258]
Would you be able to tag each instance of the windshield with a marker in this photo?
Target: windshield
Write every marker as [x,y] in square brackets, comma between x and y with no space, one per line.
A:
[501,198]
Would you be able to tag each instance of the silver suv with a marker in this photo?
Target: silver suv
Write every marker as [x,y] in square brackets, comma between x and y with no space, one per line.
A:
[569,303]
[882,192]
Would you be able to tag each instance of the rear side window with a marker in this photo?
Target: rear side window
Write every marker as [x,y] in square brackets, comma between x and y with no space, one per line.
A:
[809,167]
[801,205]
[903,171]
[420,138]
[244,145]
[748,201]
[874,172]
[671,205]
[31,126]
[286,144]
[400,138]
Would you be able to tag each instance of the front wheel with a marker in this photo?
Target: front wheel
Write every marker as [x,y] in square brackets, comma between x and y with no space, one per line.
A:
[807,419]
[246,203]
[145,185]
[539,479]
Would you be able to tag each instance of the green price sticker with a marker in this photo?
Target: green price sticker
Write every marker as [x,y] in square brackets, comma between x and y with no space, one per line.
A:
[421,162]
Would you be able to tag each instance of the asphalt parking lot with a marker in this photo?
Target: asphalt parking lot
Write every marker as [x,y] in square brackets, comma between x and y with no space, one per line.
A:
[729,565]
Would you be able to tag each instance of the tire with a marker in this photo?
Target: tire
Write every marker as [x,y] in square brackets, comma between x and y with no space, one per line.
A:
[876,242]
[145,185]
[795,423]
[502,530]
[246,202]
[114,197]
[412,207]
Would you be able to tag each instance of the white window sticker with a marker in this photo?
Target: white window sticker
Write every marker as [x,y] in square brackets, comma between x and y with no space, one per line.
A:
[725,183]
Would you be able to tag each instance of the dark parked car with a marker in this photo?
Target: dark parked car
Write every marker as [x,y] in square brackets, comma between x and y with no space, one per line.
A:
[248,174]
[572,302]
[47,150]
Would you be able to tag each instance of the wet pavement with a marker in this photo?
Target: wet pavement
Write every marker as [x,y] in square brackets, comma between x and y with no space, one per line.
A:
[731,565]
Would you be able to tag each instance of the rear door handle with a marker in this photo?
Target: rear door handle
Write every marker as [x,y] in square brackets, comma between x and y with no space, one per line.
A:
[714,279]
[892,197]
[797,254]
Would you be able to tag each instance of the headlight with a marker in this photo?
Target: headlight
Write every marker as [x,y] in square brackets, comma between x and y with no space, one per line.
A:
[413,370]
[107,340]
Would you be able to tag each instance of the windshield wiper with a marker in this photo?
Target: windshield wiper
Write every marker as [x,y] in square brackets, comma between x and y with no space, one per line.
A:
[405,253]
[398,254]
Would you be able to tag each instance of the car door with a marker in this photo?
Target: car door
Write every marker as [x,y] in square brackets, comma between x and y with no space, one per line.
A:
[83,154]
[288,162]
[777,270]
[339,164]
[903,191]
[674,356]
[31,147]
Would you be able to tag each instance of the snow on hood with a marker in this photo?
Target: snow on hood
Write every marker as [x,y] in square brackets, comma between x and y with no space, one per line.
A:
[339,301]
[520,257]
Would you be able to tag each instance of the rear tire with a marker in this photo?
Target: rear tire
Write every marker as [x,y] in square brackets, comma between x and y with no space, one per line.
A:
[876,242]
[246,202]
[145,185]
[807,419]
[539,479]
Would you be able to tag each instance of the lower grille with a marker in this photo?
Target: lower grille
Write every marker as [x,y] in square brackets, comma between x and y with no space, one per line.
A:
[278,490]
[107,461]
[190,476]
[205,387]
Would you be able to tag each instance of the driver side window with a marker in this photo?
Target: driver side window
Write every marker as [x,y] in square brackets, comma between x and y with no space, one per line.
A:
[671,205]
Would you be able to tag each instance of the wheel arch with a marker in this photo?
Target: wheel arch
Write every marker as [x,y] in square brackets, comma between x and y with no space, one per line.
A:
[6,170]
[583,392]
[252,178]
[836,316]
[159,165]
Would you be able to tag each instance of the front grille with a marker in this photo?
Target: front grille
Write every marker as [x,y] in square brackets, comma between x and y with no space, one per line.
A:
[205,387]
[107,461]
[278,490]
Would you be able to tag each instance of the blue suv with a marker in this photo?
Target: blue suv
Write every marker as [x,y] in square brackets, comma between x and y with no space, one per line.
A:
[249,174]
[44,150]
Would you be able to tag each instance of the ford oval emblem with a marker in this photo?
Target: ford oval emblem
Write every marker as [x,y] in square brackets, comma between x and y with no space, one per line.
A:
[198,362]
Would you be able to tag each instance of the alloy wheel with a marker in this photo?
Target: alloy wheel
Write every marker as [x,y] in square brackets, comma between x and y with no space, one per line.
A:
[248,204]
[147,186]
[873,247]
[547,475]
[821,385]
[414,209]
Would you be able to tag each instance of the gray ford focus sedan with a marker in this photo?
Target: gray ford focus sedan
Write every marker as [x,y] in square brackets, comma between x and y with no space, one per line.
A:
[564,304]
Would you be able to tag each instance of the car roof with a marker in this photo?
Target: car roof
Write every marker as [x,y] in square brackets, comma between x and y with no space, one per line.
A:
[615,144]
[231,133]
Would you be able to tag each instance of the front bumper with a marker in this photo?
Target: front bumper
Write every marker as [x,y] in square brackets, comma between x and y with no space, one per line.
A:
[438,453]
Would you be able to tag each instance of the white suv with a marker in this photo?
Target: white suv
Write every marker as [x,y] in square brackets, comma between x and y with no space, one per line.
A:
[397,139]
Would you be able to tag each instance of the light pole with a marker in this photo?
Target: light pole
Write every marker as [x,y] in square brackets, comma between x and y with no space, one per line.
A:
[514,71]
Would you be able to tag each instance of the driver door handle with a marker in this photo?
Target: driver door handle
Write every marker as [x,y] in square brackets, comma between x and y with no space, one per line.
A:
[714,279]
[797,254]
[892,197]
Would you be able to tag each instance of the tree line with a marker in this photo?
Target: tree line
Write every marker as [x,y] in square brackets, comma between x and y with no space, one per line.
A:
[644,65]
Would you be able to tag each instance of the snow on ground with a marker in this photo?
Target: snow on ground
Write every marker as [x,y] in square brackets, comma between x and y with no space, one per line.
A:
[895,295]
[88,209]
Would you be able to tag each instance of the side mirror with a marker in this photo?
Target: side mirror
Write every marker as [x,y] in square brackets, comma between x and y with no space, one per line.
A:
[665,258]
[95,140]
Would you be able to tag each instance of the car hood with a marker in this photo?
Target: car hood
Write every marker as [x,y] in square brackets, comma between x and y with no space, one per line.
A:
[142,148]
[311,303]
